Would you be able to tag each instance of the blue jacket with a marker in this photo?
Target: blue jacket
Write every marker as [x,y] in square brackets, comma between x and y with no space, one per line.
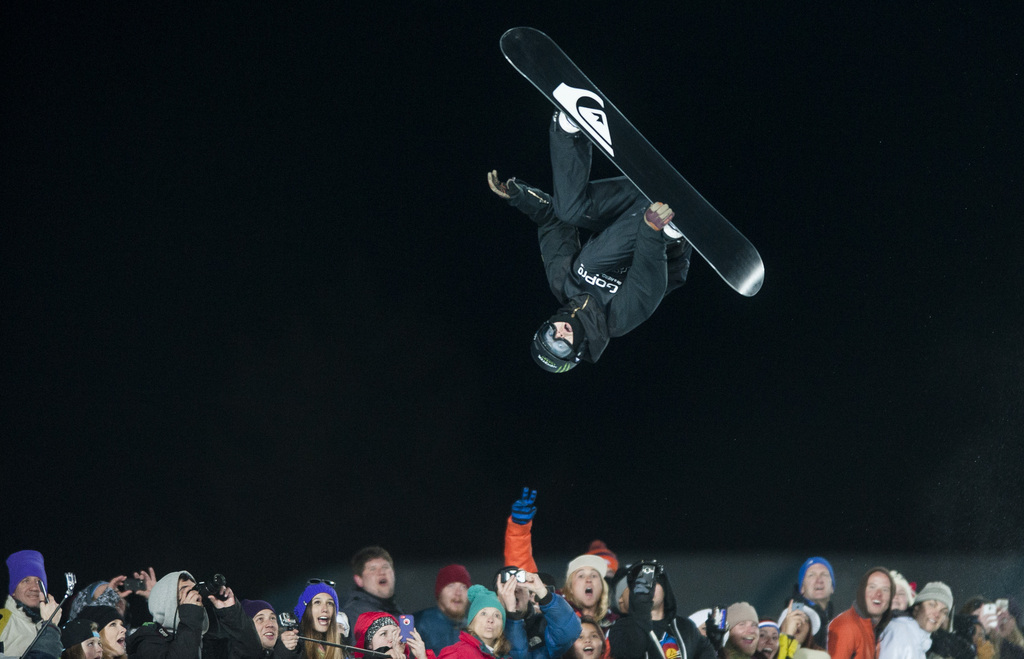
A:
[437,629]
[551,632]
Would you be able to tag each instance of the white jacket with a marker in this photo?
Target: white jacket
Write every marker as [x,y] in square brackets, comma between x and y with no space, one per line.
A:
[903,638]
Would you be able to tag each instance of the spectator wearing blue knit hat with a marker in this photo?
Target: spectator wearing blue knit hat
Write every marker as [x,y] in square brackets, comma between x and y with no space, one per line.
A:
[317,611]
[816,582]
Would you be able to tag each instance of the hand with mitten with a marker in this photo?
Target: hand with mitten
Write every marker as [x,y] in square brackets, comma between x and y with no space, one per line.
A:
[523,509]
[715,634]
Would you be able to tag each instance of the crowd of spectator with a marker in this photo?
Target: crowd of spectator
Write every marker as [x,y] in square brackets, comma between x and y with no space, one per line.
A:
[599,609]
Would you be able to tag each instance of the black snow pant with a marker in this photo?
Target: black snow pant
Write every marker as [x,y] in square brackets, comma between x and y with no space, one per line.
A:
[612,208]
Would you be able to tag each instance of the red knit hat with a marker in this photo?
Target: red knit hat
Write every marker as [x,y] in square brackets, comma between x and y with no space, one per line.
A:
[598,548]
[451,574]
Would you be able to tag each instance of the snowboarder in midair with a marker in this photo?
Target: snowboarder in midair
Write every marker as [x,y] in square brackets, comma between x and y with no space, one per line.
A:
[634,258]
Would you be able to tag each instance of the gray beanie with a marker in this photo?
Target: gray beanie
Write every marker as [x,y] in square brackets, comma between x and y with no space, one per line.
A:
[938,591]
[740,612]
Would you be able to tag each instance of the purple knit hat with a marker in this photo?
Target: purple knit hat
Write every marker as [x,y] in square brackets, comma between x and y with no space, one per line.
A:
[312,590]
[25,563]
[252,607]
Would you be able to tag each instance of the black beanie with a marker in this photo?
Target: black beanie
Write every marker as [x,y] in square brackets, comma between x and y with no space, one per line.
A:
[77,631]
[101,615]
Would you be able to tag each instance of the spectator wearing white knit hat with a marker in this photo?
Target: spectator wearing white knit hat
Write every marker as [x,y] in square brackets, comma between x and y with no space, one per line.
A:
[585,588]
[903,598]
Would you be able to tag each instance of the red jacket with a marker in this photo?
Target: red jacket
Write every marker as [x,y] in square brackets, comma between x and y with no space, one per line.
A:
[468,647]
[851,636]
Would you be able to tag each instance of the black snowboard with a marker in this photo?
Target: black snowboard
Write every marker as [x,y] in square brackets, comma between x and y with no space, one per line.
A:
[543,63]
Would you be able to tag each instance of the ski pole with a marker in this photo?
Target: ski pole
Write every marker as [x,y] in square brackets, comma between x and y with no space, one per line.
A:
[71,580]
[374,653]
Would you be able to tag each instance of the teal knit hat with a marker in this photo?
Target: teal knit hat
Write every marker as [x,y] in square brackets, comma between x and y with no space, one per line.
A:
[480,598]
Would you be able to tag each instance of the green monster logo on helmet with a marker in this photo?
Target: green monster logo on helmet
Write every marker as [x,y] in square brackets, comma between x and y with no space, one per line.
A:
[554,353]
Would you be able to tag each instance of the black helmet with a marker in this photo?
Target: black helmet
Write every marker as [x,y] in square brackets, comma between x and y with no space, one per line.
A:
[557,355]
[552,354]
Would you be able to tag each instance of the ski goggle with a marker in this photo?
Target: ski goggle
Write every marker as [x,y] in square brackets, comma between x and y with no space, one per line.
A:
[558,347]
[326,582]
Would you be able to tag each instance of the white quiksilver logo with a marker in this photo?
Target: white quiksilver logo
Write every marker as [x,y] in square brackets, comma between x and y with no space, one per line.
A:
[591,119]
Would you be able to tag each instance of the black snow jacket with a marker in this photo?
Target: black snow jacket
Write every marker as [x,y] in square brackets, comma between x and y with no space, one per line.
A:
[154,641]
[615,300]
[359,601]
[628,638]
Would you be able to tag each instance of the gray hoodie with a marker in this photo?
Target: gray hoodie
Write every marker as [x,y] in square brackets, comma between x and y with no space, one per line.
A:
[163,601]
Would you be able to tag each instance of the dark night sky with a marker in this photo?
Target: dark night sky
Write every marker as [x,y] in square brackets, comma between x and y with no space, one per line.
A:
[257,295]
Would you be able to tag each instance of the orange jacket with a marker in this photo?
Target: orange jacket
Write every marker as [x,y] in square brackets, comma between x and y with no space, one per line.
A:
[851,636]
[519,545]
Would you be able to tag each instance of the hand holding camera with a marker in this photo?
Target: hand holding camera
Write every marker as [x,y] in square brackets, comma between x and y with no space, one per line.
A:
[716,626]
[417,647]
[223,599]
[50,607]
[642,578]
[289,627]
[641,595]
[216,590]
[148,579]
[290,639]
[190,596]
[125,586]
[987,616]
[538,589]
[506,589]
[139,583]
[512,573]
[286,621]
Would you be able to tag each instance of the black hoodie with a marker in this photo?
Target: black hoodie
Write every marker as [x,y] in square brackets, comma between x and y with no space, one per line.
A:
[629,637]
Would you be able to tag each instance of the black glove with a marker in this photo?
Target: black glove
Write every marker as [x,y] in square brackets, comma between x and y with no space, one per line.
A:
[950,645]
[715,634]
[642,579]
[964,624]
